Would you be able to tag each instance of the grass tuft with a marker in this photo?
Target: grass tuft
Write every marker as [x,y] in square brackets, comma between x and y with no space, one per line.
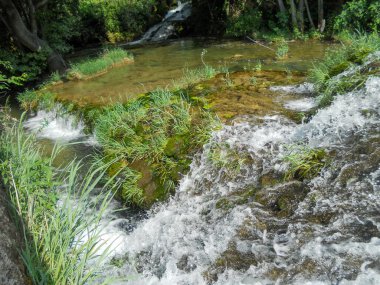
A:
[304,162]
[151,138]
[93,67]
[353,51]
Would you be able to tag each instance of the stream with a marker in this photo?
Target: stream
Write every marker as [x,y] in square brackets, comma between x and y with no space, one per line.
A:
[325,231]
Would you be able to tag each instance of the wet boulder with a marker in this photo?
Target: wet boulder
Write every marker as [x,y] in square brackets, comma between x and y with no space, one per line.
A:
[283,198]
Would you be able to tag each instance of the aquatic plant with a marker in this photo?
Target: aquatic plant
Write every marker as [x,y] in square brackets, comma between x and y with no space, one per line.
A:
[151,138]
[31,100]
[304,162]
[227,79]
[282,50]
[60,239]
[222,156]
[253,80]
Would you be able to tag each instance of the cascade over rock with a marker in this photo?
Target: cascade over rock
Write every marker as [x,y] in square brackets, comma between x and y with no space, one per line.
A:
[167,28]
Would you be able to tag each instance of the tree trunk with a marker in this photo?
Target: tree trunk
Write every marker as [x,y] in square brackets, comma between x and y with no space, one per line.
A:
[321,20]
[281,6]
[309,15]
[301,10]
[29,39]
[294,14]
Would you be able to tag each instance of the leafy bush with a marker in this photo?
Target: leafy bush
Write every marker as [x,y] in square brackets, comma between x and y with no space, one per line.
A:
[245,24]
[119,20]
[362,15]
[7,77]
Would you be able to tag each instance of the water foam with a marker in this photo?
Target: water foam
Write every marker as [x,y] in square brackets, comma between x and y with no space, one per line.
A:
[182,240]
[55,126]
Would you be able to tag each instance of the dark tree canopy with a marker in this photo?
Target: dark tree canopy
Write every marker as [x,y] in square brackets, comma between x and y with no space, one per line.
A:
[20,19]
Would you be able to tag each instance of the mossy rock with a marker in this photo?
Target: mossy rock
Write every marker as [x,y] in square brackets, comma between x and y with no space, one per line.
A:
[232,258]
[337,69]
[282,199]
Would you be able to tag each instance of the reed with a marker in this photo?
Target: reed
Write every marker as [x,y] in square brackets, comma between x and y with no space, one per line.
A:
[61,240]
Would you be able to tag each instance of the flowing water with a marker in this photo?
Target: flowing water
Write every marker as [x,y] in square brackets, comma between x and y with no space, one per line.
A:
[242,223]
[208,233]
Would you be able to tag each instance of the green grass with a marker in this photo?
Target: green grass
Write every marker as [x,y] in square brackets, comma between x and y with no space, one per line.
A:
[153,134]
[52,206]
[92,67]
[352,52]
[282,50]
[192,76]
[31,100]
[304,162]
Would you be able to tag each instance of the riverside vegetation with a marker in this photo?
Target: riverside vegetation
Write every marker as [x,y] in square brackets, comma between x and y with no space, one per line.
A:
[59,236]
[147,143]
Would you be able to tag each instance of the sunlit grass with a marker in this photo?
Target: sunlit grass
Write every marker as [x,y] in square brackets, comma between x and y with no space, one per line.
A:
[91,67]
[157,132]
[352,52]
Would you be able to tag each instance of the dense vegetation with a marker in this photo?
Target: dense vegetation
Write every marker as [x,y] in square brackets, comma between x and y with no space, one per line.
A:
[56,232]
[35,34]
[151,140]
[146,143]
[327,75]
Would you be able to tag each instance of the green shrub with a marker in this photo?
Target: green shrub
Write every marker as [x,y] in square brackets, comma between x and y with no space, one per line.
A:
[120,20]
[8,79]
[245,24]
[362,15]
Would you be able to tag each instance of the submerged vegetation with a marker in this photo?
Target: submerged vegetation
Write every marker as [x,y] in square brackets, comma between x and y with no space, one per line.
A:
[51,206]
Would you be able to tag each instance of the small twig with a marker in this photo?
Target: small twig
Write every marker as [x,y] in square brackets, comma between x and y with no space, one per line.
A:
[256,42]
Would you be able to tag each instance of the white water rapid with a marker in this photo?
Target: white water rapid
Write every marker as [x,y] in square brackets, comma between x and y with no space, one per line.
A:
[210,232]
[55,126]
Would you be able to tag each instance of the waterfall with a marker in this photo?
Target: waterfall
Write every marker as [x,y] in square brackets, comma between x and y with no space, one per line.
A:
[166,28]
